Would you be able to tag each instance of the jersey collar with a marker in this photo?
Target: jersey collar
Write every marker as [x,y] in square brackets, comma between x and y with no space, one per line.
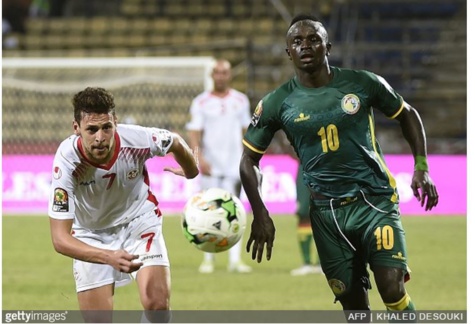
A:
[101,166]
[334,71]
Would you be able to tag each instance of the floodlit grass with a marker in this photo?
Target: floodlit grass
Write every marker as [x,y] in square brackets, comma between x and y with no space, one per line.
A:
[35,277]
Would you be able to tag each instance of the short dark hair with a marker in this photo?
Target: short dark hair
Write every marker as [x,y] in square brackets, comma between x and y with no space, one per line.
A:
[92,100]
[303,16]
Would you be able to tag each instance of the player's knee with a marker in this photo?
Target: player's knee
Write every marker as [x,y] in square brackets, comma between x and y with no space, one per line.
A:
[156,316]
[392,292]
[156,304]
[390,282]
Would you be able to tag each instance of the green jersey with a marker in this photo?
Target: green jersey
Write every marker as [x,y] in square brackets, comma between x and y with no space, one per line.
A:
[332,131]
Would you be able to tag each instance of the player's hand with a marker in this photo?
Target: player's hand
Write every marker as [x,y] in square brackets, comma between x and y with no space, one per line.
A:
[262,235]
[123,261]
[424,190]
[178,171]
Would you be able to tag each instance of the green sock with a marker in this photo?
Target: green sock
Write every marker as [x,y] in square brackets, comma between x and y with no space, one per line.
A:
[410,306]
[305,241]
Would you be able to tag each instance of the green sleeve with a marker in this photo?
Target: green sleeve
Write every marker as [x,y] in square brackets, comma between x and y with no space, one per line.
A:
[265,120]
[384,97]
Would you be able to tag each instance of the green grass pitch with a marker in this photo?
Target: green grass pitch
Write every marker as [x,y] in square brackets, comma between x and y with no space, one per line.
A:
[35,277]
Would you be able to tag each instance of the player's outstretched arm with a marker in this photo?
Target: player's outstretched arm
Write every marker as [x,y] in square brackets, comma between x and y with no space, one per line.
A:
[195,138]
[185,157]
[68,245]
[262,227]
[413,130]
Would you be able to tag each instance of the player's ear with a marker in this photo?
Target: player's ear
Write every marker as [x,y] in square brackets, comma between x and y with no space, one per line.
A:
[288,53]
[329,46]
[76,128]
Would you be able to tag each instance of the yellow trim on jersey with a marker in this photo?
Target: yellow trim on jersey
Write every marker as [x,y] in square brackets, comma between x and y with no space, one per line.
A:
[392,181]
[252,148]
[398,112]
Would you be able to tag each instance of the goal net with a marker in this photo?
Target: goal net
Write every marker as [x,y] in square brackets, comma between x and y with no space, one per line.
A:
[37,111]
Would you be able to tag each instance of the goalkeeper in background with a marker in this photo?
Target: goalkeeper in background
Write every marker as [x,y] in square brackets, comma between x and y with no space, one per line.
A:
[219,119]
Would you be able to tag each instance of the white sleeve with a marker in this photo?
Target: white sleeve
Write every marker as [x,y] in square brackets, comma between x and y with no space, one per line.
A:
[197,120]
[61,196]
[246,114]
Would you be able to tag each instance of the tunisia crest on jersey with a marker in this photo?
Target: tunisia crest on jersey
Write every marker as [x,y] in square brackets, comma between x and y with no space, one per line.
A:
[57,172]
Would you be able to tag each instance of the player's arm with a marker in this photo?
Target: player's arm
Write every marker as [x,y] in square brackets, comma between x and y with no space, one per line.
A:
[195,137]
[184,156]
[66,244]
[413,132]
[262,228]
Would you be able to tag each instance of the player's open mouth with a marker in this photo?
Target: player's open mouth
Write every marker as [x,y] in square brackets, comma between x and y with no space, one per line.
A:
[306,58]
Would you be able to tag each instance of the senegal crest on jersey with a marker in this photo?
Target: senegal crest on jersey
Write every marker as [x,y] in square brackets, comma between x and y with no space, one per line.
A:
[350,104]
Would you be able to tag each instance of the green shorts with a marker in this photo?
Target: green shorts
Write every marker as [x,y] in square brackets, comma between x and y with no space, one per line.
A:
[354,235]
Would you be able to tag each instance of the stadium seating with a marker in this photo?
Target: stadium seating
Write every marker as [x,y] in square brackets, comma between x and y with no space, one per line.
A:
[405,41]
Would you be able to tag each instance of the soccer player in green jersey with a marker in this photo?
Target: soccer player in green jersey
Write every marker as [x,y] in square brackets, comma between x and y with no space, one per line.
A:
[326,113]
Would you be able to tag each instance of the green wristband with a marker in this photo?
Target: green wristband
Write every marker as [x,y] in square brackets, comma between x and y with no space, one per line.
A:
[421,163]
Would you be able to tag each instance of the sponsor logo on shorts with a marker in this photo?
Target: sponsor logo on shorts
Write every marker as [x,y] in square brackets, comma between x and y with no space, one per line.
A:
[350,104]
[60,201]
[399,256]
[336,286]
[151,257]
[348,200]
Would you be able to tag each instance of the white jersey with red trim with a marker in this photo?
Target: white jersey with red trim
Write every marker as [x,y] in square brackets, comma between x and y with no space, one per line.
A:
[99,197]
[222,120]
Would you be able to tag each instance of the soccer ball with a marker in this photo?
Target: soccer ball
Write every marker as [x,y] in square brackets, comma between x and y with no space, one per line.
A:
[213,220]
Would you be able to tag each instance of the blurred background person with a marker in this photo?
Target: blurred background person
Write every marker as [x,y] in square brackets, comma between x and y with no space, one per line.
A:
[219,118]
[304,230]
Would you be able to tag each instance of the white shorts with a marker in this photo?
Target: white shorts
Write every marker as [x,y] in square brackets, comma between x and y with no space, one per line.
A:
[142,236]
[230,184]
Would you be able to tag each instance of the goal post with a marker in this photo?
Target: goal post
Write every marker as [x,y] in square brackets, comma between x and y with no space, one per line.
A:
[151,91]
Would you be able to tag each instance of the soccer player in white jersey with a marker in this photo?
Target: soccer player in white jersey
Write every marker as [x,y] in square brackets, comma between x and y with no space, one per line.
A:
[102,211]
[219,118]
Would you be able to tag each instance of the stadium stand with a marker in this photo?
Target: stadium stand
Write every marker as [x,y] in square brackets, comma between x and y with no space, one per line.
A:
[405,41]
